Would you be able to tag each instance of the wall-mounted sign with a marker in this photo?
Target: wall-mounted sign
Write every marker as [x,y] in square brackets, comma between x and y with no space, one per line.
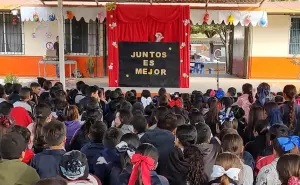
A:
[149,64]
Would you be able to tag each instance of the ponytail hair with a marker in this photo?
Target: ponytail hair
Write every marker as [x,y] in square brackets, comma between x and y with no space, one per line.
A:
[247,89]
[290,92]
[227,161]
[196,174]
[149,153]
[291,105]
[224,180]
[263,91]
[41,113]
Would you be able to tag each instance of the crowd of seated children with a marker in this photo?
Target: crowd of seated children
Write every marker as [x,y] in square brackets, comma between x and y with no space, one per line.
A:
[89,136]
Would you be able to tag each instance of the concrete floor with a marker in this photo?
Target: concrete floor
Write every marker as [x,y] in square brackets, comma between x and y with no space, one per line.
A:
[196,83]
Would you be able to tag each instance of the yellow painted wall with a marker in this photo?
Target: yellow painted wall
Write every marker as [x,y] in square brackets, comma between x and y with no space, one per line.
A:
[269,53]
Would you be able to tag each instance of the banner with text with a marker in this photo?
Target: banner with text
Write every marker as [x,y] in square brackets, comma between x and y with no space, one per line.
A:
[149,64]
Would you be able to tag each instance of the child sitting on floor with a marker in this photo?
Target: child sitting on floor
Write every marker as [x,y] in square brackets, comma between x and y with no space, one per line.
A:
[46,163]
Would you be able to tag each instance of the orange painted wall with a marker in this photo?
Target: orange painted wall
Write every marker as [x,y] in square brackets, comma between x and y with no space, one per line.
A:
[272,68]
[28,66]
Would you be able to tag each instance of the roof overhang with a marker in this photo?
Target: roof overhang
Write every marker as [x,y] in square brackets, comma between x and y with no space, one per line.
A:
[282,7]
[230,4]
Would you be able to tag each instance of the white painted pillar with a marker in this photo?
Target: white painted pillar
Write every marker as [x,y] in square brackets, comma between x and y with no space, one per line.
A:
[60,19]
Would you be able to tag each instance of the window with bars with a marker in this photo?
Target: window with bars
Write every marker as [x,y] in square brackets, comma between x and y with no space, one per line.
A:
[11,35]
[82,37]
[295,36]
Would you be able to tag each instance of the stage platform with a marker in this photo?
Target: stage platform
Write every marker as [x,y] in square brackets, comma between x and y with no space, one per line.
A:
[196,83]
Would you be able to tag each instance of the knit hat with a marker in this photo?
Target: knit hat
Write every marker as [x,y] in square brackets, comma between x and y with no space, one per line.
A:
[12,145]
[74,166]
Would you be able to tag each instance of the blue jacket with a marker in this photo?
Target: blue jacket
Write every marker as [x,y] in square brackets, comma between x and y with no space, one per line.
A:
[163,140]
[91,150]
[46,163]
[104,162]
[155,178]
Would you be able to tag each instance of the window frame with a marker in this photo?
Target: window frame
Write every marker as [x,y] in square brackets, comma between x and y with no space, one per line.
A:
[3,13]
[289,34]
[71,32]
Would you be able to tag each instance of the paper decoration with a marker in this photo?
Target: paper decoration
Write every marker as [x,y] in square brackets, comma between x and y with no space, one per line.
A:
[100,16]
[115,44]
[112,25]
[247,20]
[14,12]
[15,20]
[186,22]
[70,15]
[35,17]
[48,34]
[230,19]
[51,17]
[182,45]
[110,6]
[111,66]
[206,17]
[159,36]
[49,45]
[184,75]
[262,22]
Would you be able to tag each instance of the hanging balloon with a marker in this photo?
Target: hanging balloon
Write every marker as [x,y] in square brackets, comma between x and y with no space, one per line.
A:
[15,20]
[51,17]
[206,17]
[262,22]
[230,19]
[35,17]
[247,20]
[70,14]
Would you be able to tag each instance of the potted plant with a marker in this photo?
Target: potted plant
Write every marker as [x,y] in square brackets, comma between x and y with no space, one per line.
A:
[90,67]
[10,78]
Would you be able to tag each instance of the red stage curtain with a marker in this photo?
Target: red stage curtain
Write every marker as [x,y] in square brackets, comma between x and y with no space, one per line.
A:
[139,23]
